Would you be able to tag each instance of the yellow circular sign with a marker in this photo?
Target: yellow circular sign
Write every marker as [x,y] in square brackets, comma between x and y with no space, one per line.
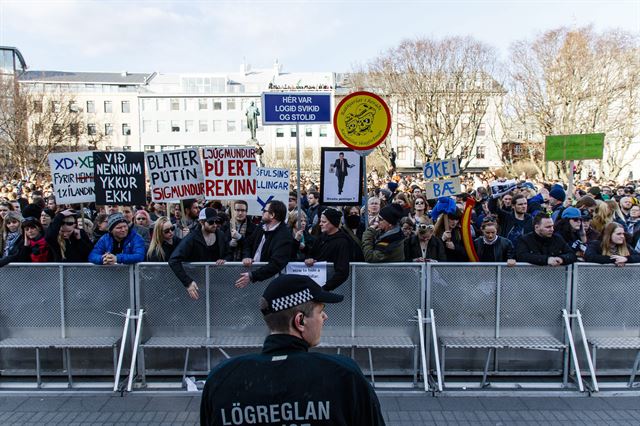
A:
[362,120]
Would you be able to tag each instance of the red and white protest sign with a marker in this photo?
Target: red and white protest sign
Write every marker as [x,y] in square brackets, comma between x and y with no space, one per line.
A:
[229,173]
[174,175]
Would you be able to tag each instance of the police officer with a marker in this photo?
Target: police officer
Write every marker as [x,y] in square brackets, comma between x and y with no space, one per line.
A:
[286,384]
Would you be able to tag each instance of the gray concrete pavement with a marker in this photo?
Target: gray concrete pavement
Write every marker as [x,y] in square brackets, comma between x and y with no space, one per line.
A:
[399,410]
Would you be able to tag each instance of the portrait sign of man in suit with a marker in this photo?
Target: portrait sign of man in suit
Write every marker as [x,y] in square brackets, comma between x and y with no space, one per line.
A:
[341,168]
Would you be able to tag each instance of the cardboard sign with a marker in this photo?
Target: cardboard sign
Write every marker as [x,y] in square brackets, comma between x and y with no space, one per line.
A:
[72,177]
[271,184]
[229,173]
[175,175]
[119,178]
[317,272]
[574,147]
[443,188]
[441,169]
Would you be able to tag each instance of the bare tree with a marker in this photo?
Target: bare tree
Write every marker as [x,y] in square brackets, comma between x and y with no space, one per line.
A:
[34,124]
[442,89]
[577,81]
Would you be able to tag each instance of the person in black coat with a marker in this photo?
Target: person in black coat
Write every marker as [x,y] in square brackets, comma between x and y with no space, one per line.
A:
[272,243]
[333,246]
[613,248]
[204,243]
[515,222]
[66,242]
[491,247]
[542,246]
[423,246]
[163,241]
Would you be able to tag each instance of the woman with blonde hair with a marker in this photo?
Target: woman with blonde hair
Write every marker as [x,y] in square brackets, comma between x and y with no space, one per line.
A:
[163,240]
[613,247]
[67,241]
[601,217]
[12,236]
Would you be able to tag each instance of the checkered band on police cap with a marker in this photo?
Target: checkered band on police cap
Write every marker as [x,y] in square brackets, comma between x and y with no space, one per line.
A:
[295,299]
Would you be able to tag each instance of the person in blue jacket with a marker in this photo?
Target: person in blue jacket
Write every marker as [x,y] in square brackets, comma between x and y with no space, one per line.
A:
[121,245]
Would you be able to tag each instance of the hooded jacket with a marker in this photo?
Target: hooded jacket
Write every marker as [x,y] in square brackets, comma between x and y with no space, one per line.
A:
[336,249]
[379,246]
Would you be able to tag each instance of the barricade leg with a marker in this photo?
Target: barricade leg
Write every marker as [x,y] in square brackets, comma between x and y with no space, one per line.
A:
[68,366]
[373,380]
[184,370]
[636,364]
[443,363]
[143,367]
[486,369]
[593,356]
[115,360]
[38,376]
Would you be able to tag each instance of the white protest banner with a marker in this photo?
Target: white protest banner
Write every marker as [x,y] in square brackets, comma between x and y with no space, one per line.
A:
[499,188]
[72,177]
[271,184]
[317,272]
[443,188]
[175,175]
[229,173]
[442,169]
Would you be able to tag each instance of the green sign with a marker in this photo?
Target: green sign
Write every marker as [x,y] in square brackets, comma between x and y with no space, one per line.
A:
[574,147]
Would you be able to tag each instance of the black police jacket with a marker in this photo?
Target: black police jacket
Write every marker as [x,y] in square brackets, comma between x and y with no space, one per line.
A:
[287,385]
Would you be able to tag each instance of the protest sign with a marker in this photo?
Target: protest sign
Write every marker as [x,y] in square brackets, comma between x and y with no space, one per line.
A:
[271,184]
[119,178]
[443,188]
[72,177]
[317,272]
[441,169]
[174,175]
[229,173]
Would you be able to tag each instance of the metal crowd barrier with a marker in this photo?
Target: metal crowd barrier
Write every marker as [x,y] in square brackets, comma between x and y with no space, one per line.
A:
[80,306]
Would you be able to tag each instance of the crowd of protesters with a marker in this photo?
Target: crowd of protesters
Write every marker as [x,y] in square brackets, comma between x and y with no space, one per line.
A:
[512,221]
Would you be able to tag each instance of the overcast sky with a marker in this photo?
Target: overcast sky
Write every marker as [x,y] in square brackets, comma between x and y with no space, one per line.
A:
[217,36]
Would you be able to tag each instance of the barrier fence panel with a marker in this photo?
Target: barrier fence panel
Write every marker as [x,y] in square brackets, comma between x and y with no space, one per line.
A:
[607,298]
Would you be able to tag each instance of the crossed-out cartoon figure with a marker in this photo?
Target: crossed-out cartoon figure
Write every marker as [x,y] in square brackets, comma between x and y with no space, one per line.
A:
[360,122]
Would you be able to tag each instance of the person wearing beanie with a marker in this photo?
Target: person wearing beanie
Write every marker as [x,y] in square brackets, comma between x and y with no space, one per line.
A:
[333,246]
[385,243]
[120,245]
[570,228]
[34,247]
[557,196]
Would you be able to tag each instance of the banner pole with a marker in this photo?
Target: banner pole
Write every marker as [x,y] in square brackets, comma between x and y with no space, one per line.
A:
[298,165]
[365,190]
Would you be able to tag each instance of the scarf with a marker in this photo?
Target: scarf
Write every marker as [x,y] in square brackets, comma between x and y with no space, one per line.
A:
[12,237]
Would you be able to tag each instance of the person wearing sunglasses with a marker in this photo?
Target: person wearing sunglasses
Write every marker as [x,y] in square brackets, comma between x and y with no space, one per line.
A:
[67,242]
[204,243]
[422,246]
[570,228]
[163,242]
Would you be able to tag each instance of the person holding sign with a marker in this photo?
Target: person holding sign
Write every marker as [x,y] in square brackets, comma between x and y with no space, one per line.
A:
[332,246]
[121,245]
[204,243]
[272,243]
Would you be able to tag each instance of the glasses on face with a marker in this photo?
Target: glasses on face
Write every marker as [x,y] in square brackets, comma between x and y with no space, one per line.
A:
[141,218]
[419,203]
[69,223]
[169,230]
[214,222]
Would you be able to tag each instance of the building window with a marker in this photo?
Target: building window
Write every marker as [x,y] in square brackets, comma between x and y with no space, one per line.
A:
[308,131]
[73,129]
[308,154]
[481,130]
[217,105]
[280,134]
[480,152]
[323,131]
[126,130]
[55,106]
[37,106]
[293,131]
[402,153]
[520,135]
[203,126]
[162,126]
[73,106]
[91,129]
[203,104]
[188,126]
[292,153]
[517,149]
[217,126]
[108,129]
[126,106]
[231,104]
[91,107]
[149,148]
[146,126]
[175,104]
[190,104]
[231,126]
[163,104]
[279,153]
[108,107]
[175,126]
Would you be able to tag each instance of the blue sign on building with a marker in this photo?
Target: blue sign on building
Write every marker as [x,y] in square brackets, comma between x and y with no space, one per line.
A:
[291,108]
